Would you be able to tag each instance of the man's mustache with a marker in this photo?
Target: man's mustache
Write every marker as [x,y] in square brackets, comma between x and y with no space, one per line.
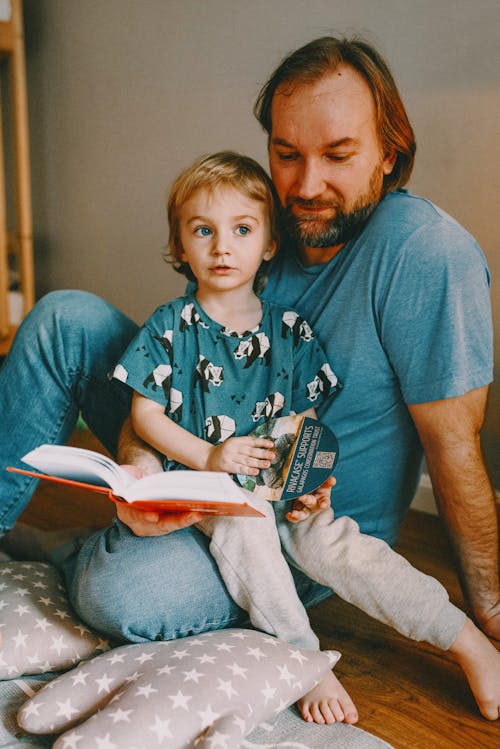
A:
[310,203]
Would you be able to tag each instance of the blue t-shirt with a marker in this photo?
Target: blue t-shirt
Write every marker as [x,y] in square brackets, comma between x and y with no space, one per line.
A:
[217,383]
[403,314]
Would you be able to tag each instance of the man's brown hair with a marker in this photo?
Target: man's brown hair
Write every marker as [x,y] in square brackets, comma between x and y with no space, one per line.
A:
[322,56]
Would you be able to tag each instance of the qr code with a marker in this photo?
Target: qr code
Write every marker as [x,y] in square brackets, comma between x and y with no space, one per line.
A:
[324,459]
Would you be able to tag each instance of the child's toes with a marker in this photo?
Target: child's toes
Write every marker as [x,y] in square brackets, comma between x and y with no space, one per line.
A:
[489,709]
[332,711]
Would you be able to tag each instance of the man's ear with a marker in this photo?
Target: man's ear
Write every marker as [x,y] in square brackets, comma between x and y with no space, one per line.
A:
[389,161]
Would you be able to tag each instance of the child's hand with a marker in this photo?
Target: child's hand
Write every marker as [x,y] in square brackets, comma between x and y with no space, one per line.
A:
[247,455]
[310,503]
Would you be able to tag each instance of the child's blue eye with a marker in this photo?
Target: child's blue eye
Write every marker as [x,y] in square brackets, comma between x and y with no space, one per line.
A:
[242,230]
[203,231]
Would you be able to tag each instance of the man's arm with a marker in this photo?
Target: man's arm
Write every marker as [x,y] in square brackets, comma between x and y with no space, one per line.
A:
[140,457]
[449,430]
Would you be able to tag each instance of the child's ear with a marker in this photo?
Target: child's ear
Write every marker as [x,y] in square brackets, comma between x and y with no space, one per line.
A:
[271,251]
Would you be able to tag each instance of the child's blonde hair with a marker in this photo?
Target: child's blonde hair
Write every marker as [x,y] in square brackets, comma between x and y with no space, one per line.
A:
[222,169]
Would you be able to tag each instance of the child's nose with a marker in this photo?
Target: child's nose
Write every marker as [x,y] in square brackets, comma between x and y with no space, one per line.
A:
[221,246]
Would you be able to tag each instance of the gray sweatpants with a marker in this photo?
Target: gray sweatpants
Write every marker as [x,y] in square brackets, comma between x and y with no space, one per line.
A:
[361,569]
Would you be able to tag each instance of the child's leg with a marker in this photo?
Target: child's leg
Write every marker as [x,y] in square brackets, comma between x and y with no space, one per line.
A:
[369,574]
[366,572]
[480,661]
[248,554]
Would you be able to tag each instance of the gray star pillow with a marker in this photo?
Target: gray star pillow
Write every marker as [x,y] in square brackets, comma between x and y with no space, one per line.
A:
[207,691]
[38,630]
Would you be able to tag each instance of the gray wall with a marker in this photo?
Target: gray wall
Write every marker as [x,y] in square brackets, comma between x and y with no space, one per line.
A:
[123,94]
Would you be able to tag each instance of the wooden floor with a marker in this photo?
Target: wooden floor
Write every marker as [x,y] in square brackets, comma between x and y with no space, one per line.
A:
[408,694]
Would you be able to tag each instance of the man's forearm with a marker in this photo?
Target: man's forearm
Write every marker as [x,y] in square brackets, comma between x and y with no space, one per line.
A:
[133,451]
[449,430]
[466,502]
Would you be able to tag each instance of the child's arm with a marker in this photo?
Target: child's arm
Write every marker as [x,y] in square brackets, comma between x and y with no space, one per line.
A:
[245,455]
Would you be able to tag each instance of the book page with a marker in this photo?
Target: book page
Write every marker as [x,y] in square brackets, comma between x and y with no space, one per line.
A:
[193,485]
[78,464]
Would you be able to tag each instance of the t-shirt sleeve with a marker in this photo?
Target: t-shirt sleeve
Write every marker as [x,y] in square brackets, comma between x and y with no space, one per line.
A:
[314,381]
[436,324]
[146,365]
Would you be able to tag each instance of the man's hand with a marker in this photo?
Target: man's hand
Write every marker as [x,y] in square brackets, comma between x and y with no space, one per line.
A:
[146,523]
[489,621]
[247,455]
[155,523]
[310,503]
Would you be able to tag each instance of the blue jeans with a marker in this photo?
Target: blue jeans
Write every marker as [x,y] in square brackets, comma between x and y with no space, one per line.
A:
[127,587]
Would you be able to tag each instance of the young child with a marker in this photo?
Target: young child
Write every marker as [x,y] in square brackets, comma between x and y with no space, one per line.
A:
[206,369]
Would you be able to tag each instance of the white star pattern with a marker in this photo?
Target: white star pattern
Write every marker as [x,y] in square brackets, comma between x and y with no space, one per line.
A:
[104,742]
[207,716]
[121,715]
[192,675]
[205,658]
[79,677]
[268,692]
[66,709]
[20,639]
[40,607]
[180,700]
[22,610]
[298,656]
[59,644]
[104,683]
[285,674]
[145,657]
[42,624]
[226,687]
[146,691]
[70,741]
[61,614]
[256,653]
[237,670]
[218,740]
[180,654]
[33,708]
[165,670]
[161,728]
[172,700]
[116,658]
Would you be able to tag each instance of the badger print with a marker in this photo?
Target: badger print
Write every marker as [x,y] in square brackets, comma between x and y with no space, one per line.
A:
[324,381]
[208,373]
[293,323]
[271,406]
[255,348]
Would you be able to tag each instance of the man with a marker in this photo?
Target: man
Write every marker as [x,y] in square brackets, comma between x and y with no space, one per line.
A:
[396,291]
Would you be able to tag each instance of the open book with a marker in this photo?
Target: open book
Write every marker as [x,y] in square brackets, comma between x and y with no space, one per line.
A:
[173,491]
[307,451]
[306,454]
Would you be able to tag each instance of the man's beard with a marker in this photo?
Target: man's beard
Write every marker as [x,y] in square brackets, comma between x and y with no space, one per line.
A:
[312,231]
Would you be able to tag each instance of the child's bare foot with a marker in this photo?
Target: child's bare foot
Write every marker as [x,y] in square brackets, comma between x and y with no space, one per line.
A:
[328,702]
[480,661]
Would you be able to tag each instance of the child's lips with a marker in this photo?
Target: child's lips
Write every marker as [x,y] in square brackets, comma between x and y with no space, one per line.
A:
[221,269]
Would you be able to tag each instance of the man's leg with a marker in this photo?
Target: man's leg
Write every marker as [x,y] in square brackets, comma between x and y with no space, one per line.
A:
[156,588]
[58,366]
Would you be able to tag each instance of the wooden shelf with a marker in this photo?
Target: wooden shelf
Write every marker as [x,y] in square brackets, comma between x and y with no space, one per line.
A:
[21,249]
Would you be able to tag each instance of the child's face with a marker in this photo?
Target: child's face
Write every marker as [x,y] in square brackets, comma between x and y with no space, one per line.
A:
[225,236]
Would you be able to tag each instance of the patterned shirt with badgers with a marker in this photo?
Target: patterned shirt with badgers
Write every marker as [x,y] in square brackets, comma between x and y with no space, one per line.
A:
[217,383]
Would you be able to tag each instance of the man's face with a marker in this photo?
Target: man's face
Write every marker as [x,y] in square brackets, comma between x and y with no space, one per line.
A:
[326,159]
